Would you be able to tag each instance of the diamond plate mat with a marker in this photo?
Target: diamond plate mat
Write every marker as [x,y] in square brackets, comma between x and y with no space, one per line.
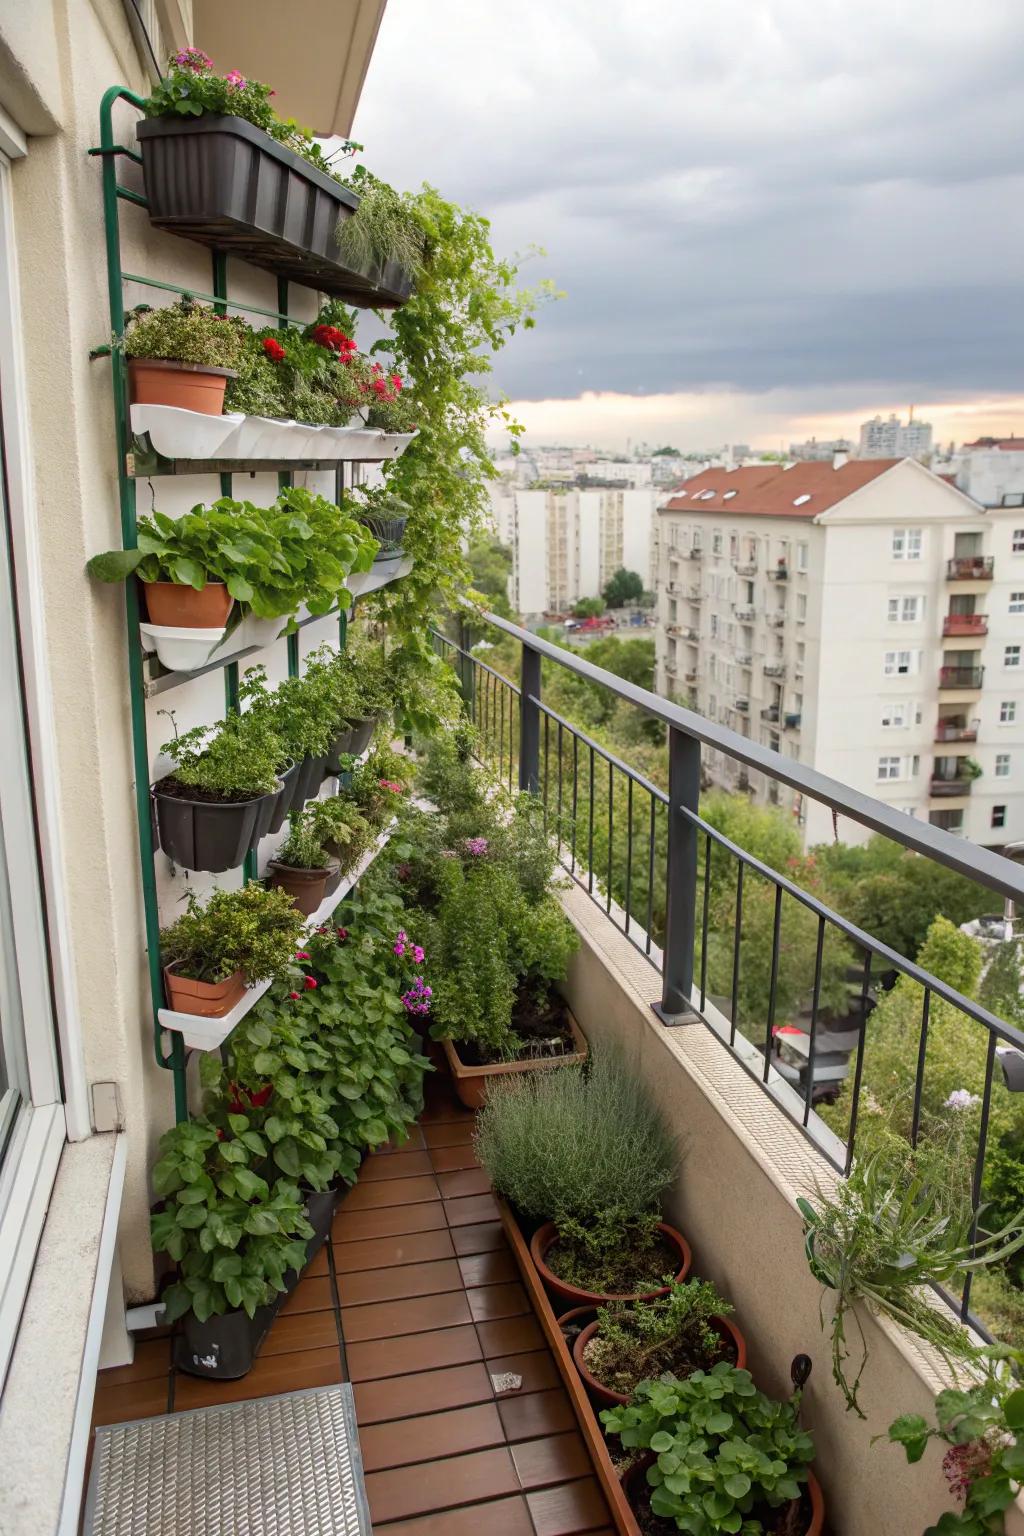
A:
[273,1466]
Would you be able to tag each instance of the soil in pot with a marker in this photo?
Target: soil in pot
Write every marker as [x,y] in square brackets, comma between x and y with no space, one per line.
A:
[306,887]
[189,386]
[542,1024]
[207,999]
[634,1269]
[613,1366]
[174,606]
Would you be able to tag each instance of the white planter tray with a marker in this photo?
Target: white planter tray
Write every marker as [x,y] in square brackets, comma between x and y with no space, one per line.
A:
[192,435]
[185,650]
[203,1034]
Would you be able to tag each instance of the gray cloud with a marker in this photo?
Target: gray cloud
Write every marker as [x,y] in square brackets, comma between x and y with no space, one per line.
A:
[755,195]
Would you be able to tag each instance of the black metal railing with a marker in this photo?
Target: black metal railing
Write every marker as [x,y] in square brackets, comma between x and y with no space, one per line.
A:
[651,860]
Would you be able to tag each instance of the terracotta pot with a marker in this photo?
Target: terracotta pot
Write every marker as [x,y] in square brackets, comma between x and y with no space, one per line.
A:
[208,999]
[179,607]
[544,1237]
[189,386]
[606,1397]
[306,887]
[637,1473]
[471,1082]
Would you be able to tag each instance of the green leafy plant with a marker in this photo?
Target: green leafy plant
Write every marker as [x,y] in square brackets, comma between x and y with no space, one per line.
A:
[192,88]
[233,1234]
[588,1150]
[302,849]
[984,1427]
[727,1455]
[674,1334]
[885,1232]
[185,332]
[254,930]
[340,829]
[297,711]
[383,227]
[237,759]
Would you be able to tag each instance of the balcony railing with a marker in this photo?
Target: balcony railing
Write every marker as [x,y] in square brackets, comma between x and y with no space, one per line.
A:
[947,730]
[691,676]
[775,620]
[940,786]
[744,659]
[694,595]
[742,704]
[961,677]
[779,573]
[965,624]
[792,720]
[696,553]
[745,613]
[771,714]
[774,669]
[628,842]
[969,568]
[745,567]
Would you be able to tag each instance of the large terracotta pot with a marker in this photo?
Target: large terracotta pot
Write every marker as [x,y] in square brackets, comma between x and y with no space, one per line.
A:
[306,887]
[189,386]
[175,606]
[471,1082]
[544,1237]
[635,1475]
[208,999]
[606,1397]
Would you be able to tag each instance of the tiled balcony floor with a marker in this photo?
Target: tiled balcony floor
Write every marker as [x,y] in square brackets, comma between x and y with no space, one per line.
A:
[416,1300]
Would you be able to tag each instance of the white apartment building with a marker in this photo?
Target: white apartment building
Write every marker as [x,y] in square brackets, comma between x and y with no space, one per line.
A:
[895,439]
[818,450]
[566,545]
[865,618]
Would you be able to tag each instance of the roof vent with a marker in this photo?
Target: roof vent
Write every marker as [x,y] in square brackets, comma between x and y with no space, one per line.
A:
[801,501]
[839,459]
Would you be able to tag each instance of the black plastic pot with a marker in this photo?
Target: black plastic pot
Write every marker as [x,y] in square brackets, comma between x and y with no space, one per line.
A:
[362,731]
[227,184]
[211,835]
[307,781]
[223,1347]
[281,805]
[341,744]
[319,1213]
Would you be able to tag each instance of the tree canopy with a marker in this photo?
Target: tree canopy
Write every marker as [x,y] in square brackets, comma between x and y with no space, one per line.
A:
[622,588]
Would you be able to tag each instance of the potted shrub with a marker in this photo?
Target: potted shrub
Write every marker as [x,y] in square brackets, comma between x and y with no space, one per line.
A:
[238,939]
[237,1240]
[723,1457]
[340,830]
[182,355]
[686,1330]
[222,795]
[222,168]
[585,1154]
[301,867]
[188,567]
[302,717]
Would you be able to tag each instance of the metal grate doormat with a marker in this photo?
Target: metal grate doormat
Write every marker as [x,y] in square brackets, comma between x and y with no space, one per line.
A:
[273,1466]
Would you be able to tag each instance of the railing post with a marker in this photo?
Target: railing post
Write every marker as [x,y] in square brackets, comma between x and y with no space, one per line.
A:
[466,678]
[681,880]
[529,720]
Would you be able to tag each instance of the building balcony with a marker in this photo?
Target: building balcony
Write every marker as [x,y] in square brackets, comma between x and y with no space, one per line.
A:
[965,624]
[969,568]
[745,613]
[691,676]
[774,669]
[949,730]
[792,721]
[778,573]
[745,567]
[744,659]
[940,786]
[694,595]
[771,714]
[742,704]
[696,554]
[968,679]
[775,620]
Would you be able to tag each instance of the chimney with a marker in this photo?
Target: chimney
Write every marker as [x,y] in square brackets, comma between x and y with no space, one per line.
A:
[839,459]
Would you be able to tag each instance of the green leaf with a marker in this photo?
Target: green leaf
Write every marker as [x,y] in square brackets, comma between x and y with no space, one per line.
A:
[115,565]
[1013,1409]
[911,1431]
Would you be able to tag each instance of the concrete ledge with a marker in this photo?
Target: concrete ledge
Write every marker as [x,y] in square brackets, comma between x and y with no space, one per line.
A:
[743,1166]
[46,1409]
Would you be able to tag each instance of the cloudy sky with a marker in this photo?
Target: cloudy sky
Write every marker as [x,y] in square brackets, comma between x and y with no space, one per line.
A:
[768,217]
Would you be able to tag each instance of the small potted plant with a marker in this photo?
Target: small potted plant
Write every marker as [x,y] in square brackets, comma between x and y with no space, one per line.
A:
[688,1329]
[341,831]
[221,797]
[182,355]
[586,1157]
[301,867]
[186,577]
[722,1457]
[238,939]
[300,715]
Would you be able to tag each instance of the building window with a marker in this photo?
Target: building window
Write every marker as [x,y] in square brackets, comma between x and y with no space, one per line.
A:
[999,815]
[1013,499]
[905,610]
[894,716]
[1017,602]
[734,546]
[714,626]
[1007,712]
[1011,655]
[716,542]
[889,768]
[898,663]
[1002,765]
[801,557]
[1018,541]
[698,538]
[801,607]
[906,543]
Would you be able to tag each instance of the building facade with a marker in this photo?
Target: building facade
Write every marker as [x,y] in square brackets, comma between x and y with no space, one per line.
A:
[566,545]
[865,618]
[895,438]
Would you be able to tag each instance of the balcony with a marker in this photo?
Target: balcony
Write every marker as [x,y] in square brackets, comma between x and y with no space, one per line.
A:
[771,714]
[791,722]
[953,731]
[744,659]
[940,786]
[691,676]
[775,620]
[778,573]
[745,613]
[969,568]
[965,624]
[694,595]
[774,669]
[966,679]
[745,567]
[742,704]
[696,553]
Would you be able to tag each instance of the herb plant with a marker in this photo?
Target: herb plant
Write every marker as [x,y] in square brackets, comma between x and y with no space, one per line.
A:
[587,1149]
[383,228]
[296,711]
[340,829]
[235,760]
[727,1455]
[254,930]
[302,849]
[885,1232]
[673,1334]
[185,332]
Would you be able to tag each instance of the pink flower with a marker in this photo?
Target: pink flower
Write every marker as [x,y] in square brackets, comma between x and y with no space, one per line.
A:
[477,846]
[418,954]
[235,79]
[293,996]
[310,984]
[301,954]
[194,59]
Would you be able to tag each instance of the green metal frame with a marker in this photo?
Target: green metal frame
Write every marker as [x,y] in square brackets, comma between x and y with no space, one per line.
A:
[109,151]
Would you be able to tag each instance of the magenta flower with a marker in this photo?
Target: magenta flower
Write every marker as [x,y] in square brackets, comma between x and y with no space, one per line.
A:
[417,954]
[301,954]
[417,999]
[477,846]
[236,80]
[194,59]
[400,942]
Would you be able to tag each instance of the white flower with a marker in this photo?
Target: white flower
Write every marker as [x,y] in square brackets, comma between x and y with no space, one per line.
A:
[960,1098]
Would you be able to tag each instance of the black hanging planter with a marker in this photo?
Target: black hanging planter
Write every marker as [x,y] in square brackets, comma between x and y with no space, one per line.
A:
[362,731]
[340,747]
[212,835]
[282,803]
[227,184]
[307,781]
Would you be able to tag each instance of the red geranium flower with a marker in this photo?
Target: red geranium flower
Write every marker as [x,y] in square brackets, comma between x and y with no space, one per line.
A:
[273,349]
[310,983]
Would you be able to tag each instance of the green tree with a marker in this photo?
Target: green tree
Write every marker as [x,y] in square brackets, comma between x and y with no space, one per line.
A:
[624,587]
[490,563]
[588,608]
[666,453]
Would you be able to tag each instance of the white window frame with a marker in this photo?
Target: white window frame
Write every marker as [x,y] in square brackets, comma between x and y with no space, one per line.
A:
[891,664]
[1001,769]
[1008,712]
[1011,656]
[884,773]
[898,712]
[1017,541]
[907,543]
[1016,604]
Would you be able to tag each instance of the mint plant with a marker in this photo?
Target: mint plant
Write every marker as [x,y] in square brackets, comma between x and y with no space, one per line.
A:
[254,930]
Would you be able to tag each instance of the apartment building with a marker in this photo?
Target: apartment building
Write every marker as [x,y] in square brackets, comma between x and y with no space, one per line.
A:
[566,545]
[895,438]
[864,617]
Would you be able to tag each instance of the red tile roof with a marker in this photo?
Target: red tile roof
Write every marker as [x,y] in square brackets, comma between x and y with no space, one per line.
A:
[769,490]
[1004,444]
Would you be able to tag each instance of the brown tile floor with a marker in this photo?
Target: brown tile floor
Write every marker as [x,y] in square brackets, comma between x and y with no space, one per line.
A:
[416,1300]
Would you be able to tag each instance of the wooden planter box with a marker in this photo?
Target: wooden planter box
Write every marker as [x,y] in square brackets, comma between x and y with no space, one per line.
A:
[227,184]
[471,1082]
